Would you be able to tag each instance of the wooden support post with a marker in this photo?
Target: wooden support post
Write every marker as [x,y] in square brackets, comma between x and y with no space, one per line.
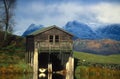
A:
[31,58]
[35,76]
[35,66]
[26,57]
[62,61]
[50,67]
[50,76]
[70,65]
[49,62]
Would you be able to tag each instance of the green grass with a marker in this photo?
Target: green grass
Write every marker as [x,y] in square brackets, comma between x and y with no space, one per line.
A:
[110,59]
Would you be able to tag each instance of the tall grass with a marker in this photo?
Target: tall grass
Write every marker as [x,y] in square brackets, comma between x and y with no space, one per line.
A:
[13,64]
[20,67]
[96,71]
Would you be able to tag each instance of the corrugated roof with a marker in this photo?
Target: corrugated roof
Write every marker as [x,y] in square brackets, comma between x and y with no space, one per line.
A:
[48,28]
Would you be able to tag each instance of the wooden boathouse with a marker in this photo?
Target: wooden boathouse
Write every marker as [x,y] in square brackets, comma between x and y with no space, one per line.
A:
[50,48]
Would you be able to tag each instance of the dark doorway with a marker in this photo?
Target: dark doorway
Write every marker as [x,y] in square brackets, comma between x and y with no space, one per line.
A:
[54,58]
[43,60]
[56,62]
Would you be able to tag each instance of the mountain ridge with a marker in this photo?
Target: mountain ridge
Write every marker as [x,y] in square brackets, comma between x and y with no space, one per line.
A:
[84,31]
[110,31]
[101,47]
[80,30]
[31,29]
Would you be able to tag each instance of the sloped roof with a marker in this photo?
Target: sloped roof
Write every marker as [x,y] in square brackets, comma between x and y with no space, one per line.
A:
[46,29]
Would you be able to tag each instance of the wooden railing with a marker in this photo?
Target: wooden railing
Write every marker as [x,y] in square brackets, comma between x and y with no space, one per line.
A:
[59,46]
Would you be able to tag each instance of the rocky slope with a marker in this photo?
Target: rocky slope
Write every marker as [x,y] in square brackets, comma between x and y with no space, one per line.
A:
[103,47]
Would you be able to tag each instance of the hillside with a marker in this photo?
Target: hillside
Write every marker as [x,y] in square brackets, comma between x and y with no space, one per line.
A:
[12,54]
[110,59]
[11,50]
[102,47]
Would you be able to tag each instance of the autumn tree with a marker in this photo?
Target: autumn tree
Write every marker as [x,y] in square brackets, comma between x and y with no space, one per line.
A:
[6,15]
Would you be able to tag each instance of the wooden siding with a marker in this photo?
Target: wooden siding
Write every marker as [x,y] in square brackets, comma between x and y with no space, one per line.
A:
[29,49]
[45,35]
[61,46]
[65,40]
[30,43]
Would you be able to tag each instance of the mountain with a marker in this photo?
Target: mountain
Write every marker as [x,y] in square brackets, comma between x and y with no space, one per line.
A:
[109,32]
[102,47]
[106,39]
[83,31]
[32,28]
[80,30]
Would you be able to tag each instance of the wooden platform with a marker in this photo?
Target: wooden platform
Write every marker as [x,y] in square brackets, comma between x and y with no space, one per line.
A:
[54,47]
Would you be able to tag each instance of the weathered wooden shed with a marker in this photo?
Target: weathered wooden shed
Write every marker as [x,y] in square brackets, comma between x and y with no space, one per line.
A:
[50,48]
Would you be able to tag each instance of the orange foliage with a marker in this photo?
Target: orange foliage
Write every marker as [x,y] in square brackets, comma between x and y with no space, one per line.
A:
[108,41]
[94,44]
[10,69]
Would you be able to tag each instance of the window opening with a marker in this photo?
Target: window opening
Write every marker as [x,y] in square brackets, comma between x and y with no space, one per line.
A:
[56,38]
[51,38]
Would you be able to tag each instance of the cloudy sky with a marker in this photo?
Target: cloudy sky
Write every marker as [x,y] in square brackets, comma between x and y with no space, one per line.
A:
[59,12]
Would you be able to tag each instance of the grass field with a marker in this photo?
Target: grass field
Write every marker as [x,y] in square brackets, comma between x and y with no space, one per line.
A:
[110,59]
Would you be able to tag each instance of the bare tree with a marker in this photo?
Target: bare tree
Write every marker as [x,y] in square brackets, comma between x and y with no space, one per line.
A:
[7,7]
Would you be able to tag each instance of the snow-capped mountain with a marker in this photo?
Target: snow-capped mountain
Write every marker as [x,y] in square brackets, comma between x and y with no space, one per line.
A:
[31,29]
[83,31]
[110,32]
[80,30]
